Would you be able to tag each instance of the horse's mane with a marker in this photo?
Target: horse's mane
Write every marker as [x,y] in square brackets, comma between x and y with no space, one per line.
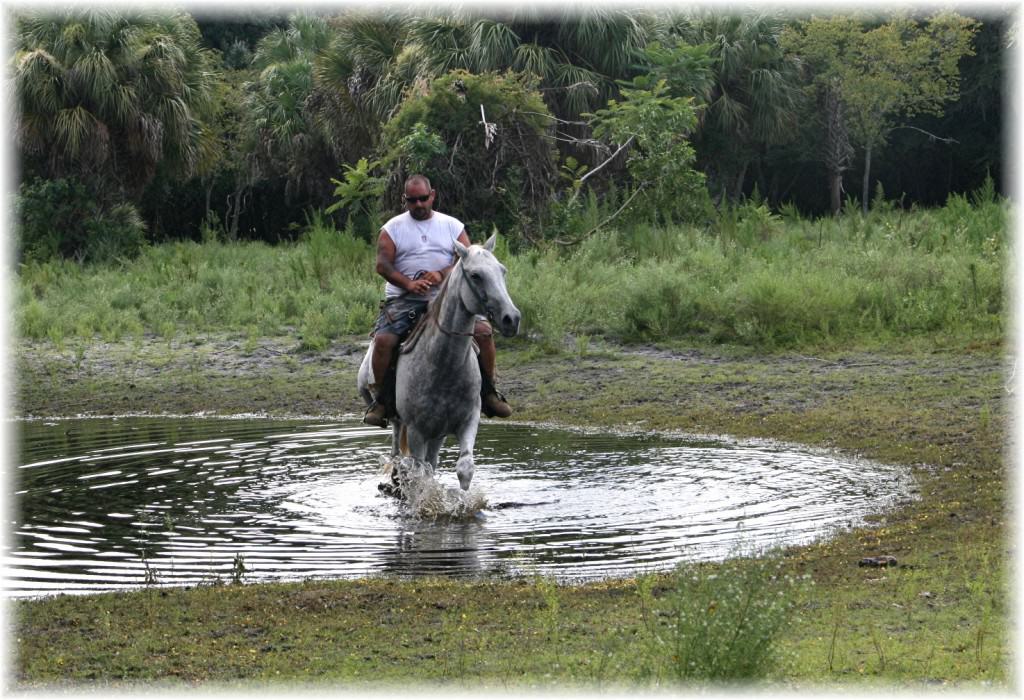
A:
[434,305]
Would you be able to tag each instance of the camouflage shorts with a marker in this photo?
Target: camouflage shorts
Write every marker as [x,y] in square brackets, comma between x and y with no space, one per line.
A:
[399,315]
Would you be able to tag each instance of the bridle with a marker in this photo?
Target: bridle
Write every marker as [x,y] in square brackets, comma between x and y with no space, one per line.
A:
[435,305]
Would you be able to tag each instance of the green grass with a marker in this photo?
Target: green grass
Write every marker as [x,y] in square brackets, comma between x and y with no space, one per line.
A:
[865,280]
[753,278]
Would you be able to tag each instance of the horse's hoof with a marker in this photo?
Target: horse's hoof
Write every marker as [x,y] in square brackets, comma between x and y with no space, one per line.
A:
[390,489]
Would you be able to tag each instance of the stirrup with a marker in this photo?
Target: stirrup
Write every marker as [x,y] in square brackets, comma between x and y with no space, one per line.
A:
[381,421]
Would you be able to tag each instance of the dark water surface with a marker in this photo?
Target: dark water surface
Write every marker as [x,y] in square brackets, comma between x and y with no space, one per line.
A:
[104,504]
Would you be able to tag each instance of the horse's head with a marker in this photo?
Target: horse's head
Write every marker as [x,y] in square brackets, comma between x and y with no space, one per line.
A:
[483,290]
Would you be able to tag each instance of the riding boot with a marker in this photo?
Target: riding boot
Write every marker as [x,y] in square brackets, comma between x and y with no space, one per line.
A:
[383,404]
[492,403]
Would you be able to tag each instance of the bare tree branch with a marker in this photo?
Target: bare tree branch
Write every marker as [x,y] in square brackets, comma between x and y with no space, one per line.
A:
[933,137]
[580,83]
[583,179]
[609,160]
[554,118]
[580,239]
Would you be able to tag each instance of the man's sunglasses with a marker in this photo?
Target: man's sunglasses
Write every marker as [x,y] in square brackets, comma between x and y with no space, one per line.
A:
[410,200]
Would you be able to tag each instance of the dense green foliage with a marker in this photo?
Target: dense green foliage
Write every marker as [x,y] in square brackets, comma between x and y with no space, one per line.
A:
[660,163]
[510,150]
[883,74]
[62,218]
[242,124]
[754,278]
[111,96]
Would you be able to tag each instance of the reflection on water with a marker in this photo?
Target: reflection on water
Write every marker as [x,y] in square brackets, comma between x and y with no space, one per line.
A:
[103,504]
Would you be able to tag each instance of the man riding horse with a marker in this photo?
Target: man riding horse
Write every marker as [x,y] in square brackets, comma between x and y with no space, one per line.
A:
[414,255]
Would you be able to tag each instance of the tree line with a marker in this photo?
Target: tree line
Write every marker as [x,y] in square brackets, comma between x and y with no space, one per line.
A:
[137,125]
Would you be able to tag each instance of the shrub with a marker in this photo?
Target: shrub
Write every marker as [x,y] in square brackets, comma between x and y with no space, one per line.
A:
[500,175]
[62,218]
[721,622]
[359,194]
[660,161]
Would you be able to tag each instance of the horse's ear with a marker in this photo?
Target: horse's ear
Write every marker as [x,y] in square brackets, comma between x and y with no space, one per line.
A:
[489,245]
[460,250]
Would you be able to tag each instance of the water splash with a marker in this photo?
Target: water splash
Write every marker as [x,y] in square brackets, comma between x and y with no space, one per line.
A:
[425,496]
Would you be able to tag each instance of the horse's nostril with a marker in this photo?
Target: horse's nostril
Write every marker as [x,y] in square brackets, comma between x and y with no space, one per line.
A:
[510,324]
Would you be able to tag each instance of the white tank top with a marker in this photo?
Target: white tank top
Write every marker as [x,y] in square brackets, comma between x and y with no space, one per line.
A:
[421,246]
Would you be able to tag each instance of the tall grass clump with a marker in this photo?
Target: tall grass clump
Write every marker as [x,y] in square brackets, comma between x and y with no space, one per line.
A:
[720,622]
[778,281]
[317,288]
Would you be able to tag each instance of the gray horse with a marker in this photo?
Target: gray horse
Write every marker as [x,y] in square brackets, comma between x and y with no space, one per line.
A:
[437,390]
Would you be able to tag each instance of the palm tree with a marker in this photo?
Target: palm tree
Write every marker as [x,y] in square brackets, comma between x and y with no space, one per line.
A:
[282,136]
[370,64]
[324,90]
[578,55]
[111,95]
[752,102]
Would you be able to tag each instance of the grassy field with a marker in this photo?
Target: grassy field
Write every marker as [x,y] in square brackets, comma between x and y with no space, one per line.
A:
[878,335]
[751,278]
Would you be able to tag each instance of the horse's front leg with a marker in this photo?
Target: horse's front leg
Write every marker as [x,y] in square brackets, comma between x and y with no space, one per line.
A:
[433,449]
[396,438]
[418,445]
[467,439]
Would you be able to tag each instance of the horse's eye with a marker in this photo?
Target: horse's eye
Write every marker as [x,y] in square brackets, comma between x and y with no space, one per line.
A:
[475,276]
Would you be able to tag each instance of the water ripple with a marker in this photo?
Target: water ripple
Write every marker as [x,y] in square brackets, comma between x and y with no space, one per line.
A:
[109,504]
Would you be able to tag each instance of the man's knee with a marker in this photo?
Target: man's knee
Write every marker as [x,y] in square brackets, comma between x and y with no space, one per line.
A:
[482,330]
[384,342]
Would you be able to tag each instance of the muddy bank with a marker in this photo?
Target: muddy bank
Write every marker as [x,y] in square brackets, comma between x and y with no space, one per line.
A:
[272,376]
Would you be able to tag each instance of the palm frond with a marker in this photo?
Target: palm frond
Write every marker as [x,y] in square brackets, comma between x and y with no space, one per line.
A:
[536,59]
[492,45]
[38,81]
[576,89]
[73,128]
[445,41]
[372,40]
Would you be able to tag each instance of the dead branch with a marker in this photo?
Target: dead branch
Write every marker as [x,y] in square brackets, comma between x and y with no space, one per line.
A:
[933,137]
[609,160]
[582,83]
[606,162]
[490,129]
[580,239]
[554,118]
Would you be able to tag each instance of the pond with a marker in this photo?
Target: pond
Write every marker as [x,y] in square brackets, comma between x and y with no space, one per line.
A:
[116,503]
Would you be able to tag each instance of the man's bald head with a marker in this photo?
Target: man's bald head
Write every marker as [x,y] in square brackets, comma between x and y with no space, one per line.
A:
[418,180]
[419,197]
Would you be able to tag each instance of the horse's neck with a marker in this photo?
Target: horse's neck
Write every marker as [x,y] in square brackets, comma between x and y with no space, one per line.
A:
[455,323]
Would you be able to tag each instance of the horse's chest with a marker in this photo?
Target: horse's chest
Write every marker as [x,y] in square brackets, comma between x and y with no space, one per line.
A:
[440,402]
